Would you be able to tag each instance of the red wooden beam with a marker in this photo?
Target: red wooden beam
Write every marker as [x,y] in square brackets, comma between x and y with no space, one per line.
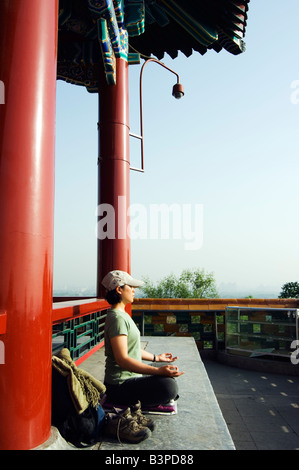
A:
[64,311]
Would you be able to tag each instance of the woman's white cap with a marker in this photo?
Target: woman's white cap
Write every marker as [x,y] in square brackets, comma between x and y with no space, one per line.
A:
[119,278]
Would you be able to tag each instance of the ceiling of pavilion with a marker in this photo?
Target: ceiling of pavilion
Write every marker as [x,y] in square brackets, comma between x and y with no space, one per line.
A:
[93,33]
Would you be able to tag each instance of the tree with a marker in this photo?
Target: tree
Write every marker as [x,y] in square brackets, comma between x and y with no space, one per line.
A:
[290,290]
[194,284]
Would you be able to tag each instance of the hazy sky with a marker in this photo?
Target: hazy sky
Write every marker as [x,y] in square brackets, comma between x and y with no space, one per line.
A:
[226,155]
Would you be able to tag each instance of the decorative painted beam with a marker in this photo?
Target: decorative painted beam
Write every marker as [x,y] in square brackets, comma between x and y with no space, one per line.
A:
[113,33]
[107,51]
[204,34]
[134,17]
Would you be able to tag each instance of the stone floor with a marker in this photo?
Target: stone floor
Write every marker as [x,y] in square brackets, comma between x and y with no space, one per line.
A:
[261,409]
[199,423]
[220,406]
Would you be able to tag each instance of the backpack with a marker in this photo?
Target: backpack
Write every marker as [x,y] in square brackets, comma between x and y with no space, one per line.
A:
[82,429]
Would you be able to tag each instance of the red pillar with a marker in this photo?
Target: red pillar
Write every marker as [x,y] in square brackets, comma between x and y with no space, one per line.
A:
[28,56]
[114,172]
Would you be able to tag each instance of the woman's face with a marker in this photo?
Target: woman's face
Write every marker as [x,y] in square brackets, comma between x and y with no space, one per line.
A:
[127,294]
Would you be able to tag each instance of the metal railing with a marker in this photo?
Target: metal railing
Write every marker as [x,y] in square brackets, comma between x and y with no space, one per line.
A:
[261,331]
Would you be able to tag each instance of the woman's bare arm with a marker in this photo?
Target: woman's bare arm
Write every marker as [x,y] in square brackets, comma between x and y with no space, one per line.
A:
[120,350]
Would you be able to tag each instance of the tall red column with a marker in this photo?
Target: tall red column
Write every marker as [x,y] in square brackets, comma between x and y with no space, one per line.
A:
[114,249]
[28,56]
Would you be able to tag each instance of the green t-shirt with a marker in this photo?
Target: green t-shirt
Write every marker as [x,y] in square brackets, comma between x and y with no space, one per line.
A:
[120,323]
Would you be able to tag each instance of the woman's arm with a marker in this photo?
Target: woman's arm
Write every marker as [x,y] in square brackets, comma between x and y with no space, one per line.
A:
[147,356]
[120,351]
[164,357]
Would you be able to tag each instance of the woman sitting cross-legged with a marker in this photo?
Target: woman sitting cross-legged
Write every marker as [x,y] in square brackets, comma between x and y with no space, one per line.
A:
[128,380]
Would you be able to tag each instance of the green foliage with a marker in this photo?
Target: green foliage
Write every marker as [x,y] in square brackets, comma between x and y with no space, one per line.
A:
[192,284]
[290,290]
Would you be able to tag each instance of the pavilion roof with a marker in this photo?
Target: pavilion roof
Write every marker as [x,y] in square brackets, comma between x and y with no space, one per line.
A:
[92,32]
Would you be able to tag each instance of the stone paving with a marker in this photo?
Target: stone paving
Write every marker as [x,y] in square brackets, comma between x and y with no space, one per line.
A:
[261,409]
[199,423]
[220,407]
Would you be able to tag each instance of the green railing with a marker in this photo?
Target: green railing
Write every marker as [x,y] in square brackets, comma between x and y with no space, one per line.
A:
[79,335]
[79,326]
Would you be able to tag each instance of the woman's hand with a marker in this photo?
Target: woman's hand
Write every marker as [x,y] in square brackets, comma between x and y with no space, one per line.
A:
[120,352]
[169,371]
[166,357]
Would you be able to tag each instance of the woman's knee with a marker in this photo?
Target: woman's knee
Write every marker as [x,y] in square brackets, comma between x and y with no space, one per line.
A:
[168,386]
